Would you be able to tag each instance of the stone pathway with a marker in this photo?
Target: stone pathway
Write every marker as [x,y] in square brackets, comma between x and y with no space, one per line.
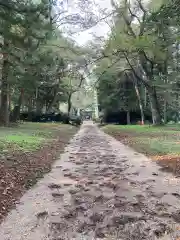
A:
[99,189]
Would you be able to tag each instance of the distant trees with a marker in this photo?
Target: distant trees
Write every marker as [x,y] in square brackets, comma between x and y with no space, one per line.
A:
[36,59]
[143,48]
[137,67]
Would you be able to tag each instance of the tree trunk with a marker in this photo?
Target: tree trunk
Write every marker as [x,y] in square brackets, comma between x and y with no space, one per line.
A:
[156,116]
[15,115]
[37,102]
[30,107]
[165,111]
[128,118]
[4,110]
[53,102]
[69,104]
[39,107]
[148,70]
[67,118]
[145,97]
[139,100]
[144,68]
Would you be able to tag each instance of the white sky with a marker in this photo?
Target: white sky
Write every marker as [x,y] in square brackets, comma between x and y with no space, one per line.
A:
[101,29]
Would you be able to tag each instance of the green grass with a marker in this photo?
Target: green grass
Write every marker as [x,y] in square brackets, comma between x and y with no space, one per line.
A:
[161,140]
[29,136]
[24,142]
[21,165]
[145,128]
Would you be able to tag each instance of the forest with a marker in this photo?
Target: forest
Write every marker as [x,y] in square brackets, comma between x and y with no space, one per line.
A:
[139,67]
[40,66]
[136,65]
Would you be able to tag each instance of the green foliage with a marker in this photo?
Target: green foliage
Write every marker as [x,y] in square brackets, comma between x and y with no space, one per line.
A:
[27,137]
[148,139]
[40,66]
[116,93]
[144,43]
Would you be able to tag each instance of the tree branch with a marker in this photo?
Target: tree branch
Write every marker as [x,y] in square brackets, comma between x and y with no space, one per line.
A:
[146,83]
[133,14]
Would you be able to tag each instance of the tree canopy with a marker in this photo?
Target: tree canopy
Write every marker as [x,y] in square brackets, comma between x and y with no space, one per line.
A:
[136,65]
[142,48]
[40,66]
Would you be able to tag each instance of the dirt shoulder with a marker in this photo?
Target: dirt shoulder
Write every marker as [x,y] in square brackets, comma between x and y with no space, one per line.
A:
[28,152]
[161,144]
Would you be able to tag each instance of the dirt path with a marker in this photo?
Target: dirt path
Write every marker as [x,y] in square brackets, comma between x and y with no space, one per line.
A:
[99,189]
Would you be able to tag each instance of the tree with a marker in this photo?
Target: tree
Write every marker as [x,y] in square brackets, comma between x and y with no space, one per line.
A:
[143,42]
[36,58]
[116,93]
[20,35]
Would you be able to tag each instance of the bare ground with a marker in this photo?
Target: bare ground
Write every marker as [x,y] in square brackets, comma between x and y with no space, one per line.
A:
[99,189]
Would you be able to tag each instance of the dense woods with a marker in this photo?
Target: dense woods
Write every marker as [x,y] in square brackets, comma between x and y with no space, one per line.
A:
[136,66]
[40,67]
[139,66]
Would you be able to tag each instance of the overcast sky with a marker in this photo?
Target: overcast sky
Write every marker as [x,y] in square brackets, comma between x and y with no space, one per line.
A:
[101,29]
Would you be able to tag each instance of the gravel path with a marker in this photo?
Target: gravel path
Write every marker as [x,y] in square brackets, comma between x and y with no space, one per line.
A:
[99,189]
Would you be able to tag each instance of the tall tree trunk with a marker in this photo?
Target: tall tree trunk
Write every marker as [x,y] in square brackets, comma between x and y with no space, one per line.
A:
[165,111]
[156,116]
[4,110]
[145,97]
[139,100]
[37,103]
[15,115]
[30,108]
[67,118]
[134,80]
[151,90]
[38,107]
[69,104]
[128,118]
[149,74]
[53,102]
[165,97]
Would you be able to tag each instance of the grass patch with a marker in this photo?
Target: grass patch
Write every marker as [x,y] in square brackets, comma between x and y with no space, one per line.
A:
[161,143]
[29,136]
[161,140]
[24,142]
[27,152]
